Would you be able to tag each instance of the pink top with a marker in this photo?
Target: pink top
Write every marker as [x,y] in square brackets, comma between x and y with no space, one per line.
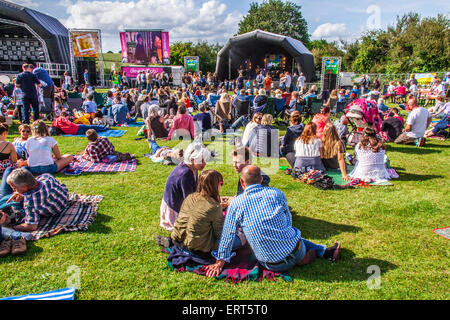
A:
[182,121]
[400,91]
[320,120]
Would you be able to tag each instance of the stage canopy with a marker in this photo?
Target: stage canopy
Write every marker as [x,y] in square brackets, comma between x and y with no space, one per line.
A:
[22,23]
[254,46]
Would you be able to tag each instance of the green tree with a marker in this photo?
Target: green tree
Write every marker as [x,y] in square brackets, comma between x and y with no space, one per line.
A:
[322,48]
[205,51]
[276,16]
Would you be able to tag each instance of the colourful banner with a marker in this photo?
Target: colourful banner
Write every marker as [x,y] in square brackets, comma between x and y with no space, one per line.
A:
[85,44]
[331,66]
[424,78]
[145,47]
[132,72]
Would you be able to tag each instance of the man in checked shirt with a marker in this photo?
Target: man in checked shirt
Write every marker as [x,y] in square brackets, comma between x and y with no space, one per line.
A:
[264,216]
[41,196]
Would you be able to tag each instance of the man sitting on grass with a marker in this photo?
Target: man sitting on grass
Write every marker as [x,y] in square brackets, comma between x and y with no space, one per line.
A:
[265,218]
[417,123]
[98,148]
[41,196]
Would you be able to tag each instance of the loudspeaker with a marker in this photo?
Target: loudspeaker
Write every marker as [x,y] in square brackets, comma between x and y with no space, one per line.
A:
[92,71]
[329,82]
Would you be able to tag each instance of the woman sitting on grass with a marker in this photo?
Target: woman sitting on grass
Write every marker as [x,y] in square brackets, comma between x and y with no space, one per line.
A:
[41,148]
[308,151]
[370,158]
[333,151]
[8,155]
[182,182]
[200,222]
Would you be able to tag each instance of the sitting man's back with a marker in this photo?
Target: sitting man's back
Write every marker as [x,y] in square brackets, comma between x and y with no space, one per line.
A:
[98,148]
[264,216]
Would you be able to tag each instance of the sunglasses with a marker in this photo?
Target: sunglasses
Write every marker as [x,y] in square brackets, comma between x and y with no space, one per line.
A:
[26,131]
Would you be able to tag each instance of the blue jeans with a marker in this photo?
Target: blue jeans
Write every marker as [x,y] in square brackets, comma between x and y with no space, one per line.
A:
[154,146]
[441,125]
[82,129]
[29,103]
[52,168]
[293,259]
[241,122]
[5,193]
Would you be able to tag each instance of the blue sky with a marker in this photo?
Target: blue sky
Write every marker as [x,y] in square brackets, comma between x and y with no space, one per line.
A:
[216,20]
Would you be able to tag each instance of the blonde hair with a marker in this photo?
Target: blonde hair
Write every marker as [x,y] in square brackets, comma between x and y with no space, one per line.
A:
[267,120]
[331,141]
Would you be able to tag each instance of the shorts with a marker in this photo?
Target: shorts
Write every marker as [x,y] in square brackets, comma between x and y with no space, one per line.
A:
[38,170]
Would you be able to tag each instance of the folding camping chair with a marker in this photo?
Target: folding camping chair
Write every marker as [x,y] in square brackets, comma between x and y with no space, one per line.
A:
[242,109]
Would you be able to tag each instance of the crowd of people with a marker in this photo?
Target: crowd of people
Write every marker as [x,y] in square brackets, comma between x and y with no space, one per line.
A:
[200,219]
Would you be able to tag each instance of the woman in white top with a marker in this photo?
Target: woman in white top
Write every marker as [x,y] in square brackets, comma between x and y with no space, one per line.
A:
[370,156]
[41,148]
[308,151]
[249,128]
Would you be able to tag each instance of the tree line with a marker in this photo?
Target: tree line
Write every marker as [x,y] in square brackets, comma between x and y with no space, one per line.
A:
[411,44]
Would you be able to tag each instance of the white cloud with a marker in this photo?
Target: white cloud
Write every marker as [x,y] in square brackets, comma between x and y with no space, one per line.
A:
[26,3]
[331,31]
[184,19]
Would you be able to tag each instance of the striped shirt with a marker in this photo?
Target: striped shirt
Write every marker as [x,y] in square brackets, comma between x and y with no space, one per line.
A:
[50,198]
[264,216]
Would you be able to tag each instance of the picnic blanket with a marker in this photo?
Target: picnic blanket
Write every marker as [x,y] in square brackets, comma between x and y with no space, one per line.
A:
[108,133]
[77,217]
[81,165]
[132,125]
[61,294]
[243,266]
[337,177]
[443,232]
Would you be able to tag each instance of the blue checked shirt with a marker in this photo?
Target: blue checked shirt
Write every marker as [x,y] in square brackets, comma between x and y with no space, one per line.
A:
[264,216]
[50,198]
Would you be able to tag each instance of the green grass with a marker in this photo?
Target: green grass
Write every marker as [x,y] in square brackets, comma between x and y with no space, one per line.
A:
[390,227]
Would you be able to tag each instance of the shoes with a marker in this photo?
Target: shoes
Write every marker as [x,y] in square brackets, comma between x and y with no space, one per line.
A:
[164,241]
[5,247]
[18,246]
[421,142]
[333,252]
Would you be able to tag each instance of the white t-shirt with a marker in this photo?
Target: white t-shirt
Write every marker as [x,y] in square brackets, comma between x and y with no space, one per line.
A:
[288,81]
[307,150]
[40,151]
[301,81]
[418,119]
[248,132]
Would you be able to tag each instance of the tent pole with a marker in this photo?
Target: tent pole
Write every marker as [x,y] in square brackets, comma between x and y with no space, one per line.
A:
[229,67]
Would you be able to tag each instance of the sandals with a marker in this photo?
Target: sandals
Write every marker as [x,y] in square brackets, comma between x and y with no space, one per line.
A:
[163,241]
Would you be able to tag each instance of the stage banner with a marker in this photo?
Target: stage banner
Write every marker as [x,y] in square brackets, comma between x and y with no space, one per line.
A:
[331,66]
[145,47]
[132,72]
[85,44]
[192,64]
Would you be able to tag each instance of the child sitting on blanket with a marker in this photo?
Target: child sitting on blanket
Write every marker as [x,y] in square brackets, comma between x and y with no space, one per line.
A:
[98,148]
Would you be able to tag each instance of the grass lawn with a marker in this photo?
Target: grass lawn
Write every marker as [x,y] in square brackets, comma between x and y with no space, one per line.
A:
[389,227]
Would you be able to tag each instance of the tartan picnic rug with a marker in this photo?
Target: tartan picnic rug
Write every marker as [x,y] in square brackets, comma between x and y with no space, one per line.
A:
[78,217]
[243,266]
[81,165]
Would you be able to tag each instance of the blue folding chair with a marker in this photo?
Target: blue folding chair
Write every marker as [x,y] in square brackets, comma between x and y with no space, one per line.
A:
[213,99]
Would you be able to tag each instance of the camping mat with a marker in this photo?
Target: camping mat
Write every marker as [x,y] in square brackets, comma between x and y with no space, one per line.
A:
[81,165]
[443,232]
[61,294]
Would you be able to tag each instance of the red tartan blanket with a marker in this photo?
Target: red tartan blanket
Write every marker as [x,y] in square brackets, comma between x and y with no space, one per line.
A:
[81,165]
